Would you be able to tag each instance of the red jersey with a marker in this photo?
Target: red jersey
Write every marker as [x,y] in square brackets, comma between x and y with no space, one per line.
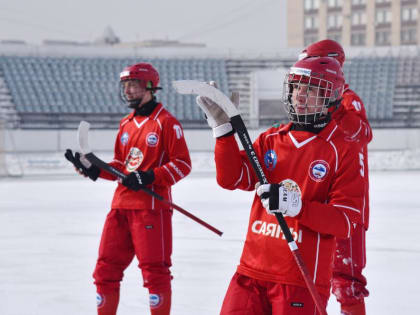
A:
[326,167]
[352,120]
[155,142]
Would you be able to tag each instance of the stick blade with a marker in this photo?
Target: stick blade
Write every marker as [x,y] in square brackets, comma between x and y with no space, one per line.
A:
[83,137]
[204,89]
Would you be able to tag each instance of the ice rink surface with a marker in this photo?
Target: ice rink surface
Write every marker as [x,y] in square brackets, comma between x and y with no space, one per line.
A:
[50,229]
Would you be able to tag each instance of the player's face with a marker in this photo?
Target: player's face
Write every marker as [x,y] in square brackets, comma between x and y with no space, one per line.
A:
[307,99]
[134,89]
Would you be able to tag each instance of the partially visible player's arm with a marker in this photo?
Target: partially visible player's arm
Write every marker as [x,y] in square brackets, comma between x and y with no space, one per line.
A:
[352,120]
[233,170]
[176,149]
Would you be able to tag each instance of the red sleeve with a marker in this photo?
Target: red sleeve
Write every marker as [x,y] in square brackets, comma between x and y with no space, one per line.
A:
[175,147]
[345,200]
[233,169]
[351,118]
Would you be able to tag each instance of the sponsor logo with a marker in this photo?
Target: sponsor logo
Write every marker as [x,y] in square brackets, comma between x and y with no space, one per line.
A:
[274,230]
[300,71]
[270,160]
[100,300]
[155,300]
[177,170]
[152,139]
[318,170]
[124,138]
[134,159]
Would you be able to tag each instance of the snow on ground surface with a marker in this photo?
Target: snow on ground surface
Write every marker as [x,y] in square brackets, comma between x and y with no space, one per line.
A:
[50,229]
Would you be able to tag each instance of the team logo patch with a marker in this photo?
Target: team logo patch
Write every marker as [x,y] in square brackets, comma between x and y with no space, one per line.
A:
[155,300]
[124,138]
[152,139]
[100,300]
[134,159]
[318,170]
[270,160]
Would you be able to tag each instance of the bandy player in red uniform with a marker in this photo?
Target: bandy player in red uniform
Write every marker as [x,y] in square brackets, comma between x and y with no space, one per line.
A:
[349,285]
[150,148]
[316,183]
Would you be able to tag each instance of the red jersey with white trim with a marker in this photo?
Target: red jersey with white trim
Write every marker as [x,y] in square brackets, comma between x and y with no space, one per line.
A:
[155,142]
[327,170]
[352,120]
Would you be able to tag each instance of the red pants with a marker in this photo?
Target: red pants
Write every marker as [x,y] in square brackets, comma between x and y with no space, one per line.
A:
[348,283]
[146,234]
[248,296]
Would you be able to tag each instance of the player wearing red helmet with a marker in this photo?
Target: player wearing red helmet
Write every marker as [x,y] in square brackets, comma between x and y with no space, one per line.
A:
[151,150]
[315,182]
[348,284]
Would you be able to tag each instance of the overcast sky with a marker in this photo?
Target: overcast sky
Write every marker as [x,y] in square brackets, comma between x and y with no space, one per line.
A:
[236,24]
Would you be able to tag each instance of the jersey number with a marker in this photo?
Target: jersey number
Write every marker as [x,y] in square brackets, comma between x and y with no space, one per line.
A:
[178,131]
[357,105]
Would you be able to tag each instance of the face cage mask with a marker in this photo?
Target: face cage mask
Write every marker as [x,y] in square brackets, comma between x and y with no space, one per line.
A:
[134,103]
[312,114]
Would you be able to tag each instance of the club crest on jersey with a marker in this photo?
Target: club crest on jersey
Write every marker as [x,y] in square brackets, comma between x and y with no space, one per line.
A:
[134,159]
[152,139]
[270,160]
[318,170]
[100,300]
[155,300]
[124,138]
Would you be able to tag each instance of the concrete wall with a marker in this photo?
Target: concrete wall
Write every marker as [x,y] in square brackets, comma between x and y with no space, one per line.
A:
[198,140]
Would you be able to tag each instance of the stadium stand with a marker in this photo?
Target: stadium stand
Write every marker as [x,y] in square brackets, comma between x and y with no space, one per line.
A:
[57,92]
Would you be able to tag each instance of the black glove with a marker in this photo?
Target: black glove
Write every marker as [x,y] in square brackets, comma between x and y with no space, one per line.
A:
[138,179]
[82,165]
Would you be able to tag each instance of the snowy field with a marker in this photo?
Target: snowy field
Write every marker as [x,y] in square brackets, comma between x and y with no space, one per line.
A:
[50,229]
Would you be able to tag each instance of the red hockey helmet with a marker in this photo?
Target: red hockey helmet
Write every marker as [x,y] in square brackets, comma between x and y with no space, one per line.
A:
[325,48]
[320,74]
[144,72]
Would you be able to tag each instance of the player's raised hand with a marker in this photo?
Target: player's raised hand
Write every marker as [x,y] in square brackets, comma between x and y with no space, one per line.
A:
[217,119]
[82,165]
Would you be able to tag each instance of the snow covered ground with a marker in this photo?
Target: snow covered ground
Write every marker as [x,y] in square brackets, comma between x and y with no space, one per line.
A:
[50,229]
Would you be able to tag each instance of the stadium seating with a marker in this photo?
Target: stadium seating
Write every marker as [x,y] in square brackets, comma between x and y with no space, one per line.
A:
[57,92]
[49,91]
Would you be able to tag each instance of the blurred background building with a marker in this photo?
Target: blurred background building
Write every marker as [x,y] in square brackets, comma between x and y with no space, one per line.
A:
[354,22]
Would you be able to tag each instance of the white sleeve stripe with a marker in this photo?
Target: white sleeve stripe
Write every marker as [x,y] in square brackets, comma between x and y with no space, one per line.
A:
[347,207]
[157,114]
[161,158]
[348,224]
[249,179]
[240,177]
[332,132]
[158,121]
[185,163]
[336,155]
[317,256]
[173,178]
